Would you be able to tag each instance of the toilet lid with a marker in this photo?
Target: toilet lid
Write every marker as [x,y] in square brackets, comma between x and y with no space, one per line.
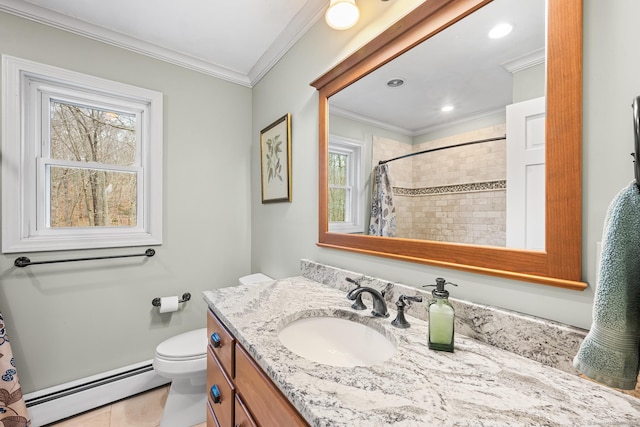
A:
[184,346]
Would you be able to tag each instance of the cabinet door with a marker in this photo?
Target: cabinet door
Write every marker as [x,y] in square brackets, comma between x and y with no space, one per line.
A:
[243,418]
[211,419]
[222,344]
[265,402]
[220,391]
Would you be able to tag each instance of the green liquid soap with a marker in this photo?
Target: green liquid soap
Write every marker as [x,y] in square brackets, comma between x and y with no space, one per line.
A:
[441,319]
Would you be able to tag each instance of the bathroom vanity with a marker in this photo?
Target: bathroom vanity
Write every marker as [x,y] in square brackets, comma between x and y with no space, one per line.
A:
[243,395]
[477,384]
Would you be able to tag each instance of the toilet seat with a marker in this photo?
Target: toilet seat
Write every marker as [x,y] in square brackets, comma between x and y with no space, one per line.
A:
[182,356]
[186,346]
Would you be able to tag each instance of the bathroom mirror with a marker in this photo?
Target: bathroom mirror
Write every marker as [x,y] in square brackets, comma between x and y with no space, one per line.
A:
[449,169]
[558,262]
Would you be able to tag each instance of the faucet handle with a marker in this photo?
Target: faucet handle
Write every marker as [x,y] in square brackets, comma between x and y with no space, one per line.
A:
[400,321]
[354,281]
[358,304]
[405,298]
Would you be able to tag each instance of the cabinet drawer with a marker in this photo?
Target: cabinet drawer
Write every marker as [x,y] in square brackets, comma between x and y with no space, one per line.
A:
[211,419]
[220,392]
[223,345]
[243,418]
[265,402]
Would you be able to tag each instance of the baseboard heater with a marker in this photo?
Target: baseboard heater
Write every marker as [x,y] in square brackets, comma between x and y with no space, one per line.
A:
[56,403]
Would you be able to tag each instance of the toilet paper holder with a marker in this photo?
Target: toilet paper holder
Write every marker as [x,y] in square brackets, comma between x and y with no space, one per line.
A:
[185,297]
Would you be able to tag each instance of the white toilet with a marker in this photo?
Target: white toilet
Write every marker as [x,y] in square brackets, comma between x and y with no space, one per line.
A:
[183,359]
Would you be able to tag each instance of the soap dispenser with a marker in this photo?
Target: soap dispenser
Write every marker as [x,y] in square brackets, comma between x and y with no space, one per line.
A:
[441,318]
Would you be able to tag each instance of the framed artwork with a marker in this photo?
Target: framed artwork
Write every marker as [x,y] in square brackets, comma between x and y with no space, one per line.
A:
[275,160]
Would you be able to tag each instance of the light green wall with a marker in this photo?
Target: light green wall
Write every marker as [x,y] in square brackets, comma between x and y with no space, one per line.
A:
[284,233]
[529,83]
[456,129]
[72,320]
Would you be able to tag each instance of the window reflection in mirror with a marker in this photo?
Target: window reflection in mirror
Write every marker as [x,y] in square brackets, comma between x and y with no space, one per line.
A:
[489,193]
[345,185]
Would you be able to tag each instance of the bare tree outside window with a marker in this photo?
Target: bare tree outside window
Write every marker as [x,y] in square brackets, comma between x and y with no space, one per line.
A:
[92,192]
[337,187]
[85,156]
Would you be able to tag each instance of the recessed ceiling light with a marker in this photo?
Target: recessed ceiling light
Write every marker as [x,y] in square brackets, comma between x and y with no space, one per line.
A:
[447,108]
[397,82]
[500,30]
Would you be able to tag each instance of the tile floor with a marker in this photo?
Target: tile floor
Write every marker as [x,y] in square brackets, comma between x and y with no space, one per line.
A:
[143,410]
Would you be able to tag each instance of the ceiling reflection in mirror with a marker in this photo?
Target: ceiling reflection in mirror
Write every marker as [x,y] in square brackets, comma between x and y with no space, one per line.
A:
[487,191]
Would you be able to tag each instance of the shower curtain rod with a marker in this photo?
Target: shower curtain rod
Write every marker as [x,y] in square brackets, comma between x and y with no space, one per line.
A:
[462,144]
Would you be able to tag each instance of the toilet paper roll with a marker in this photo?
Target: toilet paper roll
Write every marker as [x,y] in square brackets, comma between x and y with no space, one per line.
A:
[169,304]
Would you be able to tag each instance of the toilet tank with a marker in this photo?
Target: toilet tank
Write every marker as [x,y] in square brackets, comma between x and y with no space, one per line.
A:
[254,278]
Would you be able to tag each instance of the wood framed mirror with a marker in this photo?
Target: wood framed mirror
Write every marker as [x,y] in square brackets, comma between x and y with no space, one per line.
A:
[559,263]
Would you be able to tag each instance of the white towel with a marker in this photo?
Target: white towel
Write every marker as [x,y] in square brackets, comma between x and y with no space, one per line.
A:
[610,352]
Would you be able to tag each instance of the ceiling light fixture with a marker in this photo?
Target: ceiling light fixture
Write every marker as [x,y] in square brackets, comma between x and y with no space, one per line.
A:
[500,30]
[342,14]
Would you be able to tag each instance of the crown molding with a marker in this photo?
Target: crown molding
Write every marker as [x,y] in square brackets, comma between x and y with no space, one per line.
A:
[343,112]
[525,61]
[339,111]
[469,118]
[299,25]
[302,21]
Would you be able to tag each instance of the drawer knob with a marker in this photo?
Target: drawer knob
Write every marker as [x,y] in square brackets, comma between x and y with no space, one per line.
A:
[215,340]
[215,394]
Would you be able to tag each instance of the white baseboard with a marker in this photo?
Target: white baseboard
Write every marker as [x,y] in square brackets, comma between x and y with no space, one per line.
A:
[66,400]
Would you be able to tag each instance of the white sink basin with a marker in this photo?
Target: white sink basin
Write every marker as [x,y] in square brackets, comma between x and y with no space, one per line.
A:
[336,341]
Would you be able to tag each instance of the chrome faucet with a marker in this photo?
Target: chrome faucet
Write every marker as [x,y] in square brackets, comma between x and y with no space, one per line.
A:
[379,305]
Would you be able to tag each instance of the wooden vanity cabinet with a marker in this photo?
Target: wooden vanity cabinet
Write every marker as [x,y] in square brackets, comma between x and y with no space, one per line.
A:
[243,418]
[211,419]
[263,399]
[223,398]
[243,395]
[224,348]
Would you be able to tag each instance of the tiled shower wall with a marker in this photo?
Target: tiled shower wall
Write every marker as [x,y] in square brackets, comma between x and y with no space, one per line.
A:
[453,195]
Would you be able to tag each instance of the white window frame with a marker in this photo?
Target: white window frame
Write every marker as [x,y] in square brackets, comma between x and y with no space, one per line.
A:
[27,87]
[354,151]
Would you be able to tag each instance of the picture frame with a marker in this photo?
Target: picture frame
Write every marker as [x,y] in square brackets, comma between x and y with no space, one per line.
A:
[275,160]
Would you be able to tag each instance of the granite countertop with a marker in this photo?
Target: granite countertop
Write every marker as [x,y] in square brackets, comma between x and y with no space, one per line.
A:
[477,384]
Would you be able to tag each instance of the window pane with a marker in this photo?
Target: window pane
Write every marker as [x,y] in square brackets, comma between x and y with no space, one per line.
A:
[92,198]
[337,205]
[86,134]
[338,169]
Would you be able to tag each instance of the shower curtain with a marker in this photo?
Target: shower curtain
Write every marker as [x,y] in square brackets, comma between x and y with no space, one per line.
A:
[383,211]
[13,410]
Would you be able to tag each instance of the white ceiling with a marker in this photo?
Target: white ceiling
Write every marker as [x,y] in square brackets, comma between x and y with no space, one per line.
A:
[237,40]
[240,40]
[460,66]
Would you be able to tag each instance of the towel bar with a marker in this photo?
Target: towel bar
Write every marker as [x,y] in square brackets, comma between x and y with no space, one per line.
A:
[23,261]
